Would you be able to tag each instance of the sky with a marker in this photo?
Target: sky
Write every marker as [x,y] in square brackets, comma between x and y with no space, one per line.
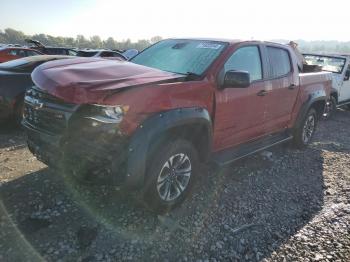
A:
[243,19]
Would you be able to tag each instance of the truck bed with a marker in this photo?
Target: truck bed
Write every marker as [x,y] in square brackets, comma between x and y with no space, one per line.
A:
[313,78]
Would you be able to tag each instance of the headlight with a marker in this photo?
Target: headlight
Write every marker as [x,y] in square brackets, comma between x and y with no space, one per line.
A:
[108,114]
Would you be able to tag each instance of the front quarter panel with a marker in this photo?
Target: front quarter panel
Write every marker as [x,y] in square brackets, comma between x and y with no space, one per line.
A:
[155,109]
[146,101]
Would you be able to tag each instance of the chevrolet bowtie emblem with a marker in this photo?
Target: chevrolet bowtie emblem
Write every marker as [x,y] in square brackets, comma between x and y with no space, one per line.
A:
[37,104]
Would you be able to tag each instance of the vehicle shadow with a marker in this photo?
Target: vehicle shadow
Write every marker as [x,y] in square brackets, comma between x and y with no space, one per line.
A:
[268,198]
[11,135]
[243,211]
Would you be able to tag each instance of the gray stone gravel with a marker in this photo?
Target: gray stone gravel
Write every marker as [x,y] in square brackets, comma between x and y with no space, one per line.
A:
[281,205]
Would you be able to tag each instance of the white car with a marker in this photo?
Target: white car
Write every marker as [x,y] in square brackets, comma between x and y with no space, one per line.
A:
[339,66]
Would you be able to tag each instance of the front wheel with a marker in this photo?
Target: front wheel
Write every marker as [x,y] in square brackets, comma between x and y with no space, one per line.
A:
[305,131]
[170,176]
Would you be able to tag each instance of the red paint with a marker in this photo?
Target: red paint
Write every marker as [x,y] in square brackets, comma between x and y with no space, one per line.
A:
[5,53]
[238,114]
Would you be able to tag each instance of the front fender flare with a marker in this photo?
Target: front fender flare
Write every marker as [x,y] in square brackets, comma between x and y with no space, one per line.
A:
[151,129]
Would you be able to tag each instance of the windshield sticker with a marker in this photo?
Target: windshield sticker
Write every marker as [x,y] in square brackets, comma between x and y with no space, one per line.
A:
[209,45]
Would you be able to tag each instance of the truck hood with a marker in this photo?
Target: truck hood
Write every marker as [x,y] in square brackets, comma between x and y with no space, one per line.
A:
[90,80]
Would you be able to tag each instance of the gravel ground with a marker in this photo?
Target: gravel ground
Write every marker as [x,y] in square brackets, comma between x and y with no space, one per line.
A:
[282,205]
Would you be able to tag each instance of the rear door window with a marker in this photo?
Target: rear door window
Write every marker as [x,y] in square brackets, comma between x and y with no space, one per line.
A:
[21,53]
[280,63]
[246,59]
[31,53]
[13,52]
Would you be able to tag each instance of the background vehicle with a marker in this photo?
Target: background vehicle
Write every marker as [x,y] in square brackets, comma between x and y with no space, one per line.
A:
[11,53]
[148,123]
[130,53]
[15,79]
[100,53]
[339,66]
[49,50]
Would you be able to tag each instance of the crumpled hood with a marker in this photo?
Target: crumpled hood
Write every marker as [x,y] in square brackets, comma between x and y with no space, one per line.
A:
[90,80]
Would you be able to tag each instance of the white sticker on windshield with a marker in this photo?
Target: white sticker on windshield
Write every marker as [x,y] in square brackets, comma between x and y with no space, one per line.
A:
[209,45]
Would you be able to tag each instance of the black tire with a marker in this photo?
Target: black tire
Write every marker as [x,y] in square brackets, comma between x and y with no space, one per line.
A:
[305,131]
[163,183]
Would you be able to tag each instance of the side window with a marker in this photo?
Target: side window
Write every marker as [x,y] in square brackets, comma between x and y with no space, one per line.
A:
[72,52]
[279,61]
[106,54]
[246,59]
[31,53]
[21,53]
[13,52]
[347,74]
[117,55]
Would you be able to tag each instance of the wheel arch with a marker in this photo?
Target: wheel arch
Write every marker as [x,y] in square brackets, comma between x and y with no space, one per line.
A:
[193,124]
[315,100]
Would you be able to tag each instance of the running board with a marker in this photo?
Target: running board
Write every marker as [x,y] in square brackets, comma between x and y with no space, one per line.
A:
[230,155]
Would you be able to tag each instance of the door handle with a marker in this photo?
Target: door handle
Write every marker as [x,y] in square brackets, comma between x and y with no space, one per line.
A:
[292,87]
[262,93]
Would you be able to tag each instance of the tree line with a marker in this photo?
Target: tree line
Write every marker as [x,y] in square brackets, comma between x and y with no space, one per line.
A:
[12,36]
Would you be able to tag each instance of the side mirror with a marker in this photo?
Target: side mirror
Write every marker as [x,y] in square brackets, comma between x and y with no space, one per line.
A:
[236,79]
[347,75]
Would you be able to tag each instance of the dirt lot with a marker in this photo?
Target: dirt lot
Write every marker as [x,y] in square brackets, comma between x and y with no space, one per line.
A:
[289,206]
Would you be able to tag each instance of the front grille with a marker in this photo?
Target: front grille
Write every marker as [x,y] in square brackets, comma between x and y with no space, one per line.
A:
[46,112]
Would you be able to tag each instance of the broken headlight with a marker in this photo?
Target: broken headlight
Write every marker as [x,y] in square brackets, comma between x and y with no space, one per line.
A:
[107,114]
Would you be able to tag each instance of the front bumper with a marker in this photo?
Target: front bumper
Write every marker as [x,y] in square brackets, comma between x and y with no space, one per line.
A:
[61,138]
[44,146]
[98,155]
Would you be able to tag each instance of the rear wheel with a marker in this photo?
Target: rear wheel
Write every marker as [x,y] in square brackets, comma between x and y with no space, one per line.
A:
[304,133]
[171,174]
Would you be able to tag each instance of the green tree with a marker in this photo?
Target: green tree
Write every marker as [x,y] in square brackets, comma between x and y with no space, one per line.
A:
[14,36]
[155,39]
[81,42]
[95,42]
[109,43]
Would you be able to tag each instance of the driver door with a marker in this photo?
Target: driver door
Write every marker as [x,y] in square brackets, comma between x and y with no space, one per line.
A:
[240,112]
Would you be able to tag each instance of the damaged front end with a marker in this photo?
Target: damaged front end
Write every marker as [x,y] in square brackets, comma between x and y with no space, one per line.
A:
[80,140]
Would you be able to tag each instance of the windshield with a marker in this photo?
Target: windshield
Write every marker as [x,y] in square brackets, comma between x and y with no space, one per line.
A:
[181,56]
[328,63]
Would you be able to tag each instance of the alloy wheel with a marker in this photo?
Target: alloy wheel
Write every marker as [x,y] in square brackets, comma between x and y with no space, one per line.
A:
[174,177]
[308,129]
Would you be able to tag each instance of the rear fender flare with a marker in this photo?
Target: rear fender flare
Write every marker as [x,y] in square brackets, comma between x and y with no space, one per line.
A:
[313,98]
[152,129]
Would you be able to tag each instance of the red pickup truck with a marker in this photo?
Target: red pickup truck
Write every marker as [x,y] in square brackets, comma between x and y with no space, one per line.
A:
[148,123]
